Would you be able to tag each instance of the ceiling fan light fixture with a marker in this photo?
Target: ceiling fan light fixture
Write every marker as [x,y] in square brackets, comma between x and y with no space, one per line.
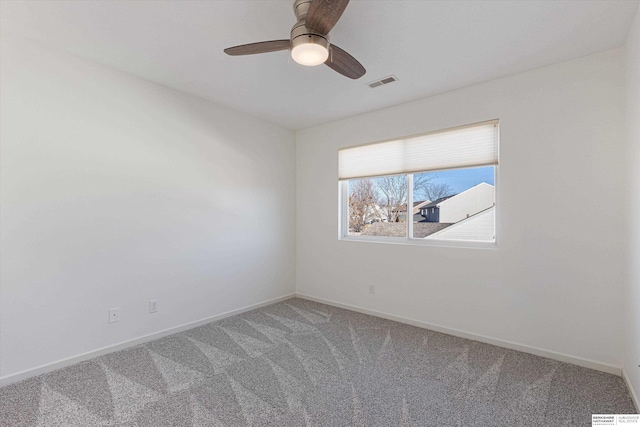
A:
[310,50]
[309,39]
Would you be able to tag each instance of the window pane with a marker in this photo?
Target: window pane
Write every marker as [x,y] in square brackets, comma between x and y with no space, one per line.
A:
[456,204]
[378,206]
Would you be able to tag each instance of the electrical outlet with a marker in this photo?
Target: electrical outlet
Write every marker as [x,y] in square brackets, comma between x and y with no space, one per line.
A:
[372,289]
[153,305]
[114,315]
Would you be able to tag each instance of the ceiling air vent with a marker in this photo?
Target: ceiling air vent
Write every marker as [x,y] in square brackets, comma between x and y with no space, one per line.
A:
[382,81]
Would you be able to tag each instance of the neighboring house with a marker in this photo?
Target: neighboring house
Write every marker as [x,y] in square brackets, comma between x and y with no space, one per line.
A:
[373,214]
[463,205]
[479,227]
[417,217]
[386,229]
[366,215]
[431,211]
[386,211]
[424,229]
[399,229]
[416,211]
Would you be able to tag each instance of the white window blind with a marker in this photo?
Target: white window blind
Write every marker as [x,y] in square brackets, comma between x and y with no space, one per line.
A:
[474,145]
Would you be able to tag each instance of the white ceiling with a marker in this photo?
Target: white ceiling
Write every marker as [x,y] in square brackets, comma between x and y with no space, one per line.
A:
[431,46]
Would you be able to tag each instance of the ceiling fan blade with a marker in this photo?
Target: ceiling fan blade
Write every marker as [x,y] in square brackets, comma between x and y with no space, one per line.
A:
[323,14]
[345,64]
[260,47]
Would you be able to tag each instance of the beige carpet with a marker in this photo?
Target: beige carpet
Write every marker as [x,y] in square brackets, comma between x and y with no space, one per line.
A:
[299,363]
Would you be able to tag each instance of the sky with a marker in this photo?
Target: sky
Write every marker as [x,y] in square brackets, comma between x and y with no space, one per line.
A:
[463,179]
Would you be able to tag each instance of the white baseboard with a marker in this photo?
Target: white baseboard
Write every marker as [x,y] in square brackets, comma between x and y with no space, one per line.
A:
[586,363]
[632,391]
[23,375]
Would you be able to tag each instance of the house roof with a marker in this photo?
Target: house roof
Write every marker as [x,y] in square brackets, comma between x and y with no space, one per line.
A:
[386,229]
[437,201]
[443,199]
[424,229]
[482,184]
[403,207]
[399,229]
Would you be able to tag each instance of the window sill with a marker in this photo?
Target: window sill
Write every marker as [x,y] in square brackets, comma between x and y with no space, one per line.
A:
[422,242]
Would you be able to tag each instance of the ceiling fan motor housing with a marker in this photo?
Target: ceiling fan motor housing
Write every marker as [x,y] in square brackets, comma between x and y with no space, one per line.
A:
[300,9]
[300,33]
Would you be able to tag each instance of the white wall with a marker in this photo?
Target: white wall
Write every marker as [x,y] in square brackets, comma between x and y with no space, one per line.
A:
[554,284]
[115,191]
[632,354]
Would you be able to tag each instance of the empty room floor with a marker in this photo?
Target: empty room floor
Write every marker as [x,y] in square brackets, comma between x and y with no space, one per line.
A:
[301,363]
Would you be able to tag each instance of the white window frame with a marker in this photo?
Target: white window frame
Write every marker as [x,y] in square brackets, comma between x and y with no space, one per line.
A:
[343,217]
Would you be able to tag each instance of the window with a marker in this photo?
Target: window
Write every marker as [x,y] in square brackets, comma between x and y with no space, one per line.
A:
[437,188]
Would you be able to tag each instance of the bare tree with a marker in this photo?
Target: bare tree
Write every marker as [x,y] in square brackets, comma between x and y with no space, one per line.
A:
[424,187]
[435,191]
[362,204]
[385,198]
[392,195]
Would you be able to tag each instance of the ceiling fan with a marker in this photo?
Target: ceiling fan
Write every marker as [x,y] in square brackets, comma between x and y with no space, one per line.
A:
[309,40]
